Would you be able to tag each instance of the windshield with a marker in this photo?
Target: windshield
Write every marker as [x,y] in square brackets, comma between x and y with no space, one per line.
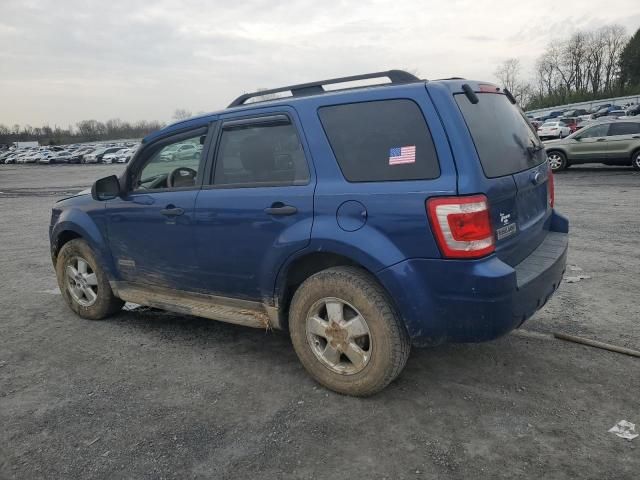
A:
[504,140]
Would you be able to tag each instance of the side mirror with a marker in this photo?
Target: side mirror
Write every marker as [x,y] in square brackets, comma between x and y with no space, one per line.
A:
[106,188]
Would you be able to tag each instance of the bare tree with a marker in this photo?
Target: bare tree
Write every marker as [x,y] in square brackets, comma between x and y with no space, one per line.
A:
[595,59]
[615,38]
[508,72]
[181,114]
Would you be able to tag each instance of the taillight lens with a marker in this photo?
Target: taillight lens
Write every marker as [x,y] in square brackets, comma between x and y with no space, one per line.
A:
[462,226]
[551,190]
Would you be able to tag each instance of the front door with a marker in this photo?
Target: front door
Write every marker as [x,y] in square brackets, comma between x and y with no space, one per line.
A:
[590,144]
[150,229]
[258,209]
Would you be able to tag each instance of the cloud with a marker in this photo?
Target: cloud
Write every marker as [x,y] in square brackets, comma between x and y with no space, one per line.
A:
[61,62]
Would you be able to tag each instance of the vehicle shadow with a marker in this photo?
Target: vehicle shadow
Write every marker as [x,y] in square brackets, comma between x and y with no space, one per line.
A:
[604,169]
[468,369]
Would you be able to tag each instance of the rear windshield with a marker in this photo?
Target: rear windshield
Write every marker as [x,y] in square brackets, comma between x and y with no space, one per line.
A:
[381,141]
[505,142]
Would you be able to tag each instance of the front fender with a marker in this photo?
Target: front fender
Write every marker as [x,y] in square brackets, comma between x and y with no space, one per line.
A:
[90,227]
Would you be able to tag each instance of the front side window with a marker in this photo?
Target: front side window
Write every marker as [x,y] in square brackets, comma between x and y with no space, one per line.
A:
[595,131]
[175,165]
[625,128]
[260,155]
[382,140]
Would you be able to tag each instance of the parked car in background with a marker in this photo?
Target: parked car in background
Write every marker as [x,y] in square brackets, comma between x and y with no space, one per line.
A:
[610,141]
[63,156]
[78,155]
[553,129]
[633,110]
[6,154]
[582,123]
[97,155]
[571,122]
[47,157]
[551,115]
[578,112]
[599,107]
[123,156]
[110,157]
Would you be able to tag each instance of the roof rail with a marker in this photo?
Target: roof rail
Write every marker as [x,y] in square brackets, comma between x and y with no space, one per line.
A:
[315,88]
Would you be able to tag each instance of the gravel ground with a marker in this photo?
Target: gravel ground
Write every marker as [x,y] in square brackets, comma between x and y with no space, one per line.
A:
[152,395]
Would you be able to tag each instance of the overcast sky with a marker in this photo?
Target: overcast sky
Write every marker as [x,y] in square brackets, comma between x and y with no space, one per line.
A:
[69,60]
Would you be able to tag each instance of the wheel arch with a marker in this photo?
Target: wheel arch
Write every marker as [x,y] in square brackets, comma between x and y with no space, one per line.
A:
[61,239]
[308,263]
[74,224]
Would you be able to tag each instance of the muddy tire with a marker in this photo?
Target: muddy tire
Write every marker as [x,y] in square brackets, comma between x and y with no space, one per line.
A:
[83,283]
[346,332]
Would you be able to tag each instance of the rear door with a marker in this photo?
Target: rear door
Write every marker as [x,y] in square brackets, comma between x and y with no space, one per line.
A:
[623,138]
[258,208]
[516,172]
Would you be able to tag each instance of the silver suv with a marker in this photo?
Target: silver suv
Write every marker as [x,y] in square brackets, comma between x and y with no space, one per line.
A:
[610,141]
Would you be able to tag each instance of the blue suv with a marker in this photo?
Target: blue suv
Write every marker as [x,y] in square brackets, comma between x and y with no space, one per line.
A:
[362,220]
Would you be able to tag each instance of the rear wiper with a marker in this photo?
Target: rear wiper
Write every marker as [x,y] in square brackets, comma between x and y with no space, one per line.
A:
[533,149]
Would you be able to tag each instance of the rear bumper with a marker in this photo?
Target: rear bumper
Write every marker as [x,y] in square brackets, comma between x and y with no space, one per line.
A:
[474,301]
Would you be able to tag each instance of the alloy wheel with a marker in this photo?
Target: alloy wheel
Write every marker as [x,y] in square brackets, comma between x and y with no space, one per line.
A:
[82,282]
[555,161]
[339,336]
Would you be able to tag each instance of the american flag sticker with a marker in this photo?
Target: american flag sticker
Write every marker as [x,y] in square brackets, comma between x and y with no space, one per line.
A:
[402,155]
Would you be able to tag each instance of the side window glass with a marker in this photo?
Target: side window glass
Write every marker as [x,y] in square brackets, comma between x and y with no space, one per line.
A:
[624,128]
[596,131]
[260,155]
[381,141]
[175,165]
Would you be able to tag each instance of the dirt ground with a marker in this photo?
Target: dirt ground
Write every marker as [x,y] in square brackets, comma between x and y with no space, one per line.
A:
[152,395]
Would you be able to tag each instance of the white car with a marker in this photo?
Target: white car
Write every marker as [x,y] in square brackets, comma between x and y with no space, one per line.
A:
[47,157]
[123,156]
[110,157]
[553,130]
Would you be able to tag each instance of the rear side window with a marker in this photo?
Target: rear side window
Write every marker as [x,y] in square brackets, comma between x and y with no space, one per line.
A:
[380,141]
[260,155]
[624,129]
[505,142]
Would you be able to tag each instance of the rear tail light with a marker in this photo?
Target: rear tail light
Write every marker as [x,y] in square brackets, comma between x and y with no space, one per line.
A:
[462,226]
[551,191]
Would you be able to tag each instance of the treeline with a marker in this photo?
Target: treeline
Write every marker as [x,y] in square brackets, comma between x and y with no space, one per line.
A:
[588,65]
[84,131]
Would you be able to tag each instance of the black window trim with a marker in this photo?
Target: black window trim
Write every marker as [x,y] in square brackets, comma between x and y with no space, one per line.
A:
[263,119]
[413,100]
[149,150]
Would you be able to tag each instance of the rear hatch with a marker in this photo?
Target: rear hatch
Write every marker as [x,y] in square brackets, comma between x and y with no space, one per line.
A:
[516,174]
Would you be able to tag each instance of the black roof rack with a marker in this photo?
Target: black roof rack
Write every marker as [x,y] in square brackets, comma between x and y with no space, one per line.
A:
[315,88]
